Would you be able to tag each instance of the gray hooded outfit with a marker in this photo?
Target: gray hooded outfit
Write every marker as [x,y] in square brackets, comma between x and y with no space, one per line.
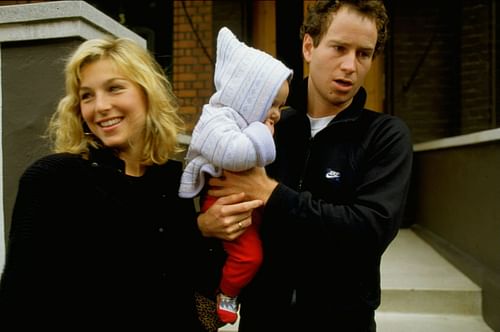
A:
[230,133]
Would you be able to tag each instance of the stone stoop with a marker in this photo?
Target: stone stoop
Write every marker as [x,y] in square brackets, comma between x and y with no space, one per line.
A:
[422,292]
[422,322]
[230,328]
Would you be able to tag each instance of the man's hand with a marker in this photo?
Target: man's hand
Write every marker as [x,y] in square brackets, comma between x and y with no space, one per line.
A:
[254,183]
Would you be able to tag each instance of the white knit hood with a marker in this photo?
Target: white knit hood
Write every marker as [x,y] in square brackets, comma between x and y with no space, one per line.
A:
[246,79]
[230,133]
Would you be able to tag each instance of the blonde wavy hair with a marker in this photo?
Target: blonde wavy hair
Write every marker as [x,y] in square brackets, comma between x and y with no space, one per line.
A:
[66,127]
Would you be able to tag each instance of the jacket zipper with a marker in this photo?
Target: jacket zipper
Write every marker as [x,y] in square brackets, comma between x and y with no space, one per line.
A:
[306,162]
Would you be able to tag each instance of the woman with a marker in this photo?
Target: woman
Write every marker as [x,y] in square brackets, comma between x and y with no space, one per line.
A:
[99,234]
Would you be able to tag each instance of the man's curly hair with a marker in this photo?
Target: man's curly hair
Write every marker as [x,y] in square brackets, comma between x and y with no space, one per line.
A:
[320,16]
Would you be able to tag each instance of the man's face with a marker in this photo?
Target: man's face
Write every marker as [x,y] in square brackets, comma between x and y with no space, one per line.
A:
[339,64]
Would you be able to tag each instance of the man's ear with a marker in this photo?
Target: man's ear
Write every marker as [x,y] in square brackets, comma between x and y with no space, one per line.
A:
[307,47]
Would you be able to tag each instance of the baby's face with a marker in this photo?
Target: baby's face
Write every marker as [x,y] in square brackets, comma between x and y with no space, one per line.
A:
[274,113]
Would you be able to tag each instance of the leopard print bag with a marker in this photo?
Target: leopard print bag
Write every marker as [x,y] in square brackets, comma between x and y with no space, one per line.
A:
[207,313]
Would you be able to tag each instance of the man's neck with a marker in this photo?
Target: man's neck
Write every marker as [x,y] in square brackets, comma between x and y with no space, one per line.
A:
[317,108]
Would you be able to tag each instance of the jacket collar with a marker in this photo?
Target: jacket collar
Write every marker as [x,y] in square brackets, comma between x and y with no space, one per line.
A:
[352,112]
[106,158]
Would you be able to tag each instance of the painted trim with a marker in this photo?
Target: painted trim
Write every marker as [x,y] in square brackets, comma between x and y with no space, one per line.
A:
[458,141]
[59,19]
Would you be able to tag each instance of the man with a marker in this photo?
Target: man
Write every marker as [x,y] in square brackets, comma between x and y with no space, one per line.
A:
[334,196]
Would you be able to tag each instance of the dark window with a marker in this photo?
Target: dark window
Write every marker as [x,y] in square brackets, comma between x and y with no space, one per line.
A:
[152,20]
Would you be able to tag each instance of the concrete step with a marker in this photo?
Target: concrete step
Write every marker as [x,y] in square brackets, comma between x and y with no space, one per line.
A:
[415,278]
[421,291]
[230,327]
[411,322]
[419,322]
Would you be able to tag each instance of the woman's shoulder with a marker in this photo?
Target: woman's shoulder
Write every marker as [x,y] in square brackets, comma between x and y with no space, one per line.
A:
[57,160]
[53,164]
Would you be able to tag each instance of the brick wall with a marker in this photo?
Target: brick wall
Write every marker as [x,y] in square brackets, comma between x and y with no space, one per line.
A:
[476,67]
[425,68]
[193,57]
[441,67]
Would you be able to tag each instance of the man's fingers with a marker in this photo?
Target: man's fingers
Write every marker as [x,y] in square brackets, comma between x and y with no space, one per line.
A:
[244,208]
[230,199]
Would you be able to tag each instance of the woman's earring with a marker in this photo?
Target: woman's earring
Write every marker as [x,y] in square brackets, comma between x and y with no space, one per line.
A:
[86,130]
